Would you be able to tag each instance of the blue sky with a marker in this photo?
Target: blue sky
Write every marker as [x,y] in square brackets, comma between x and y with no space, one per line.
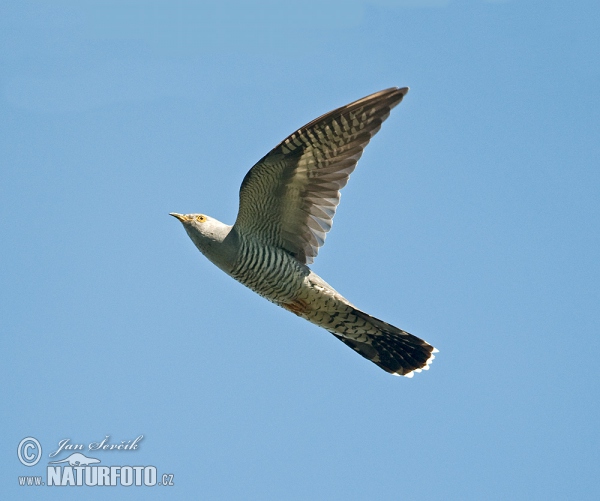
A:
[472,221]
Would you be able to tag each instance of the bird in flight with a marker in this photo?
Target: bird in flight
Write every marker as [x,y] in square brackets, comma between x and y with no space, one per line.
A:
[287,203]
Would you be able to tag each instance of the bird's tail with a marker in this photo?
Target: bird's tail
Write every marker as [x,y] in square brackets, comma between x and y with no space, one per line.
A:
[394,350]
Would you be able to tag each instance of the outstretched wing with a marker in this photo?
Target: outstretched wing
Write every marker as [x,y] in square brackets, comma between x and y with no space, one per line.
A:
[288,199]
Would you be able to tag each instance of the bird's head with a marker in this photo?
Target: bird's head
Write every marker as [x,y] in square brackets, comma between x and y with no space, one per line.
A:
[209,234]
[199,221]
[201,226]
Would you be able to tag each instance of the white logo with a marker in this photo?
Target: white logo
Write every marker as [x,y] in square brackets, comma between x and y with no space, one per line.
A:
[77,469]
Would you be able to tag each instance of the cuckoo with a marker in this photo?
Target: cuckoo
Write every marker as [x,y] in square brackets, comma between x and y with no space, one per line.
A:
[287,203]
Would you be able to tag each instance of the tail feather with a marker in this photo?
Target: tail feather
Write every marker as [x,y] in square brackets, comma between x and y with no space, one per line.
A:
[394,350]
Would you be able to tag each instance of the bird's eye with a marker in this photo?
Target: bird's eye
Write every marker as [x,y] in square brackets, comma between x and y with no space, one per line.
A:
[201,218]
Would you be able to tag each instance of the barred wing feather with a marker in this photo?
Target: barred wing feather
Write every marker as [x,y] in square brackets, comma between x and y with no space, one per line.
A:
[288,199]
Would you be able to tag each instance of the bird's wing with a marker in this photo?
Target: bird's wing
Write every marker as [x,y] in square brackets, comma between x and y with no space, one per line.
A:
[288,199]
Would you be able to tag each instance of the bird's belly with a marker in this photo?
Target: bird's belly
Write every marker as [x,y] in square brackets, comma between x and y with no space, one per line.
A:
[318,302]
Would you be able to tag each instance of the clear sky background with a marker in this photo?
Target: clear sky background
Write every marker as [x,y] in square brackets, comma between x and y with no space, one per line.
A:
[472,221]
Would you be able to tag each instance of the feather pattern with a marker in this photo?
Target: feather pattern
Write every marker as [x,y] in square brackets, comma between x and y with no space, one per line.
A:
[289,198]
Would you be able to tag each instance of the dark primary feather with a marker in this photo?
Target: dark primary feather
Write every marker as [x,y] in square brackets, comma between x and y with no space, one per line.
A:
[288,199]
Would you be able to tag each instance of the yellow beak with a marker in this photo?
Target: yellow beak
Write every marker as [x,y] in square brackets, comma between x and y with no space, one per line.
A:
[181,217]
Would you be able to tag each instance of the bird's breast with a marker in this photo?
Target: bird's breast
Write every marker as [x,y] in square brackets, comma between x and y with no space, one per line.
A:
[269,271]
